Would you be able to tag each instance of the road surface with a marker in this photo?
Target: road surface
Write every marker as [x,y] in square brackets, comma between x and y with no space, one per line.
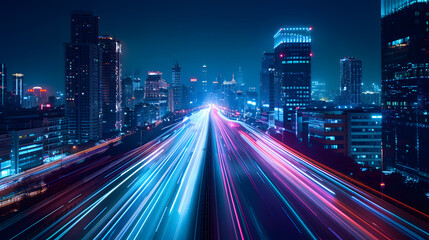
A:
[209,177]
[149,193]
[264,191]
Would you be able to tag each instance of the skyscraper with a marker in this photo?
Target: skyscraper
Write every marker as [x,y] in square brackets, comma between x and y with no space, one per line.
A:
[3,84]
[204,83]
[82,69]
[156,93]
[292,78]
[405,86]
[127,92]
[351,81]
[240,79]
[177,86]
[111,84]
[18,87]
[229,94]
[195,92]
[266,85]
[217,89]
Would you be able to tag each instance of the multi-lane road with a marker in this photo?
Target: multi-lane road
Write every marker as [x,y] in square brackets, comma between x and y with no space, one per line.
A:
[150,192]
[211,177]
[267,191]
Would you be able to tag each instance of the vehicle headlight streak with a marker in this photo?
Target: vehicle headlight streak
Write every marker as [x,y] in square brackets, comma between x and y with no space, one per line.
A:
[326,196]
[168,178]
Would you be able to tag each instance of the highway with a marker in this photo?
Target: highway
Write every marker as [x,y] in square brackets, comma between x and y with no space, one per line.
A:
[265,191]
[150,192]
[209,177]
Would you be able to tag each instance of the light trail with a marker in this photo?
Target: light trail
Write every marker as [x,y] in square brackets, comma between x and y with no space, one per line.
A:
[211,177]
[271,182]
[164,174]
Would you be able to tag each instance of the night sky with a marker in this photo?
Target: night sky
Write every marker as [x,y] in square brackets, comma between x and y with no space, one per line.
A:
[221,34]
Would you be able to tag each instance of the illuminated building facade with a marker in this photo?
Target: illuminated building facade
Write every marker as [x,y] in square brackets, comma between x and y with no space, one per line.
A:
[111,85]
[18,87]
[229,94]
[195,93]
[35,97]
[351,81]
[216,89]
[405,87]
[7,166]
[156,93]
[35,138]
[355,133]
[204,82]
[177,86]
[27,148]
[82,70]
[292,77]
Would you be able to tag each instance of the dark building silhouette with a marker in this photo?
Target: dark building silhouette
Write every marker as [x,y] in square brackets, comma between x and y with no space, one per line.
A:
[111,85]
[266,84]
[82,69]
[3,84]
[127,92]
[292,78]
[351,81]
[405,87]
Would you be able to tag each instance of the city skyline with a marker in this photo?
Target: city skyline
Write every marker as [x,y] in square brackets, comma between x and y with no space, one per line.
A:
[146,46]
[216,120]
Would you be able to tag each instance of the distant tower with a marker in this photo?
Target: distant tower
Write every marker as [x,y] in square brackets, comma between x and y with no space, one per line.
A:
[127,92]
[240,79]
[3,84]
[194,91]
[266,84]
[204,83]
[351,81]
[18,86]
[177,86]
[156,93]
[82,74]
[111,85]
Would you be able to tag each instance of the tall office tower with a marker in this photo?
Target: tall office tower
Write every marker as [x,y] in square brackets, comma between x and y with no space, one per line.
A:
[229,94]
[18,87]
[292,58]
[3,84]
[217,89]
[156,93]
[318,91]
[177,86]
[204,83]
[240,79]
[351,81]
[137,83]
[171,100]
[35,97]
[266,84]
[127,92]
[405,86]
[111,85]
[195,92]
[82,69]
